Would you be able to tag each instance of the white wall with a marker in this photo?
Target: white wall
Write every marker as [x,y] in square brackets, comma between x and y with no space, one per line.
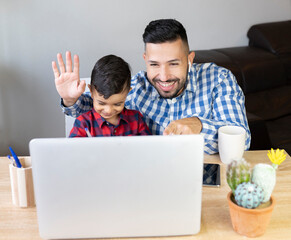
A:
[33,32]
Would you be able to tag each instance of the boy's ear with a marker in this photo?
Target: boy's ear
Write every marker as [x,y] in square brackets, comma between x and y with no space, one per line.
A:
[90,88]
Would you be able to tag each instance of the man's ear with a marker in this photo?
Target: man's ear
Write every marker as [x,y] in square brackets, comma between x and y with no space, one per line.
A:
[144,56]
[191,57]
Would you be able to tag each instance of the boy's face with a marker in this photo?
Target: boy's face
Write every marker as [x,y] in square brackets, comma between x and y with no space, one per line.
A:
[109,108]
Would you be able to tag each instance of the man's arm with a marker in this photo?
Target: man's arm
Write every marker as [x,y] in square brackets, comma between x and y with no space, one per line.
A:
[184,126]
[228,109]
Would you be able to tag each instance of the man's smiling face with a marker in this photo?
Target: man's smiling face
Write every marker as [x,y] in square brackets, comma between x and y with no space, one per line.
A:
[167,66]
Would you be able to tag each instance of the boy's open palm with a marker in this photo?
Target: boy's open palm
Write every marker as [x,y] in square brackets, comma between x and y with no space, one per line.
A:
[67,80]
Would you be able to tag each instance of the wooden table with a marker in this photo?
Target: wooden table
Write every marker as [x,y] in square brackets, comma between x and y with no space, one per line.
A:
[21,223]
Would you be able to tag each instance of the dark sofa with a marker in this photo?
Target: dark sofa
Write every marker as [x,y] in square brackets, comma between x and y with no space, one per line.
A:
[263,70]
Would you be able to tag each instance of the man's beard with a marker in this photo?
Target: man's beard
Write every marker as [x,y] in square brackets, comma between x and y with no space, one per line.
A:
[165,94]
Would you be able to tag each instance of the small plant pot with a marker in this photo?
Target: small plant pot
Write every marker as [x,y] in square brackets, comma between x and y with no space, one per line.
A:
[249,222]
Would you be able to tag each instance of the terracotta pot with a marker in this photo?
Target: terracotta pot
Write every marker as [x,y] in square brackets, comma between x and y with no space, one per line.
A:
[250,222]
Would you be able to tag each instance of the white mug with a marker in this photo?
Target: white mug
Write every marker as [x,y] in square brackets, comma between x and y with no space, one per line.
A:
[231,143]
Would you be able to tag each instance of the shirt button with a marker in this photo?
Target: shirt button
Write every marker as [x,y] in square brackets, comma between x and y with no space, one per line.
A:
[107,123]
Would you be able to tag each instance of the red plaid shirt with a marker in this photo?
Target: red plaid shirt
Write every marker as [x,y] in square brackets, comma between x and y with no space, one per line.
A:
[130,123]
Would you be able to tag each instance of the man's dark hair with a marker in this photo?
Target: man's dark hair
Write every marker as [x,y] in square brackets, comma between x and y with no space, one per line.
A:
[111,75]
[164,30]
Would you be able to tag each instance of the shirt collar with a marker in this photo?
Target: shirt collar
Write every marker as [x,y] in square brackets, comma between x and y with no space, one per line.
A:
[100,120]
[191,80]
[123,116]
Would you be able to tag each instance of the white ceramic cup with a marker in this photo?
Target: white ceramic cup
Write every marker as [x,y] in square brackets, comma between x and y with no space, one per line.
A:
[231,143]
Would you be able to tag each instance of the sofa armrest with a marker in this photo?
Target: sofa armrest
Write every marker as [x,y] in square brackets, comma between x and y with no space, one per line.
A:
[274,37]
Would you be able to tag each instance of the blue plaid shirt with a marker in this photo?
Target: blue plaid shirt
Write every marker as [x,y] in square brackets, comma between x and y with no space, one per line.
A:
[211,94]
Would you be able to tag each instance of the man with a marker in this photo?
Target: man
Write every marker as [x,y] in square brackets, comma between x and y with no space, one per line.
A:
[174,95]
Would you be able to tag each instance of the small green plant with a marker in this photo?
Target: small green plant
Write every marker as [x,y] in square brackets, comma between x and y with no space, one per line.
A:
[251,188]
[237,173]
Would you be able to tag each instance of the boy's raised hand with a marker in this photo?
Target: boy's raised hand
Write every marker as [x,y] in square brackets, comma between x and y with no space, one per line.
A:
[67,81]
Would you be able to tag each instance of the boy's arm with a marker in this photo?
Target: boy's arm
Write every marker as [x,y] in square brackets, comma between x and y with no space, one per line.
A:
[69,86]
[143,128]
[67,79]
[78,129]
[82,105]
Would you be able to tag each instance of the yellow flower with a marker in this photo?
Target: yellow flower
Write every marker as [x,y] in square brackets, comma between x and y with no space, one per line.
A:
[276,157]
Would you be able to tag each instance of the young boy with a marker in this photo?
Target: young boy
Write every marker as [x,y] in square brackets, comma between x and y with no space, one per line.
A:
[110,84]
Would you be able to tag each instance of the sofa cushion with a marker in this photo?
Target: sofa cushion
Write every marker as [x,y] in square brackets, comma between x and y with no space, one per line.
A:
[286,61]
[270,104]
[260,138]
[279,131]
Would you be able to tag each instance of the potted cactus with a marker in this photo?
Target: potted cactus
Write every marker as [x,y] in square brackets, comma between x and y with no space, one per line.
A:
[250,201]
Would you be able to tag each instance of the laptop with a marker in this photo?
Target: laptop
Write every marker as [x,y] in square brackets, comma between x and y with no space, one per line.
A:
[107,187]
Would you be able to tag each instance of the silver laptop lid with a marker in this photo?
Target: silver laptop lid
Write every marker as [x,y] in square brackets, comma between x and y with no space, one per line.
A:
[118,186]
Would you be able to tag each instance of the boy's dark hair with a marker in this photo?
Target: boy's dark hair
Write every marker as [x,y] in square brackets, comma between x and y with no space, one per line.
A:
[111,75]
[164,30]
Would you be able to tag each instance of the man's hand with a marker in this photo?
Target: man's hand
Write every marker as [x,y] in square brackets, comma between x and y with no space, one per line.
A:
[68,82]
[190,125]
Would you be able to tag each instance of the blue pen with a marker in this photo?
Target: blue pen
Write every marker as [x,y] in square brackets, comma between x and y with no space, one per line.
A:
[88,133]
[18,164]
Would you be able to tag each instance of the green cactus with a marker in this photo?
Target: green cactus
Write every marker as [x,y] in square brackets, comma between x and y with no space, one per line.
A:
[237,173]
[249,195]
[264,175]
